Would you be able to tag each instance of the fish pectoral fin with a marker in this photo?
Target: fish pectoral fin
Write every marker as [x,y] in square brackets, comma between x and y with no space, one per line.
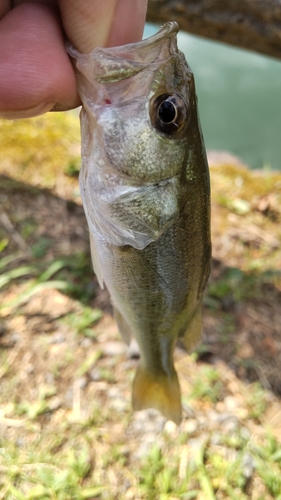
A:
[96,261]
[193,333]
[159,391]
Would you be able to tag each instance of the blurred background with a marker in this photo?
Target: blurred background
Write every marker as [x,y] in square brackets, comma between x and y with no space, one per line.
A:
[67,430]
[239,99]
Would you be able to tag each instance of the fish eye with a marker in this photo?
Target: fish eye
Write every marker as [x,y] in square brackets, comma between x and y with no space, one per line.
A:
[168,113]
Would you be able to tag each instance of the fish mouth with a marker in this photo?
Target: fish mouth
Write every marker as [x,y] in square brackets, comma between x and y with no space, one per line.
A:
[112,64]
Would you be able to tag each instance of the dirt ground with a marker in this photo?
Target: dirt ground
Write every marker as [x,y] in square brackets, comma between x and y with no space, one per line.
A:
[56,322]
[242,314]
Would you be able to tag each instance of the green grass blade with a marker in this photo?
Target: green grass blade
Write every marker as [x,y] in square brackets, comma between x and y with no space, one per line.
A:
[203,477]
[10,258]
[56,266]
[38,287]
[15,273]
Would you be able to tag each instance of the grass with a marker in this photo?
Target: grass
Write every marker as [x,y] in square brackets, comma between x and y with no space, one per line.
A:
[235,285]
[67,437]
[207,385]
[66,457]
[65,270]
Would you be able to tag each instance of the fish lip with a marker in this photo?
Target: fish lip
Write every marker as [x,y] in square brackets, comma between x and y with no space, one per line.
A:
[112,64]
[168,30]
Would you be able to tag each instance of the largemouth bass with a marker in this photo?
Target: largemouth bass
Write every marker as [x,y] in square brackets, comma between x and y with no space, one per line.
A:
[145,188]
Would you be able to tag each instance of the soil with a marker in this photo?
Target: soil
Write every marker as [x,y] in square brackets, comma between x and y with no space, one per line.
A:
[242,313]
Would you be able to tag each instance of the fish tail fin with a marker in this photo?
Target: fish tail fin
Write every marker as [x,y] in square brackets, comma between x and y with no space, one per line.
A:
[159,391]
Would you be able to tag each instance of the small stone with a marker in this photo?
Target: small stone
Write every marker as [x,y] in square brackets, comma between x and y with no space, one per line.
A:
[133,351]
[216,438]
[119,404]
[245,433]
[29,369]
[129,364]
[95,375]
[149,440]
[246,351]
[86,343]
[20,442]
[82,382]
[201,419]
[54,403]
[196,443]
[231,402]
[15,337]
[50,379]
[214,416]
[68,398]
[101,386]
[220,406]
[114,348]
[230,424]
[149,420]
[130,494]
[190,426]
[114,392]
[57,338]
[170,427]
[247,465]
[188,410]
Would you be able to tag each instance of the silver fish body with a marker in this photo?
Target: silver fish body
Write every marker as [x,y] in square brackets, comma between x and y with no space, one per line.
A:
[146,194]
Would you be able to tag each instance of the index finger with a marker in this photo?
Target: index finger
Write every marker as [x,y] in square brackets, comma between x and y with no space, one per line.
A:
[95,23]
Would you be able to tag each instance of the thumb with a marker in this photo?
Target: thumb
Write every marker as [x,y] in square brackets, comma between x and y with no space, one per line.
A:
[95,23]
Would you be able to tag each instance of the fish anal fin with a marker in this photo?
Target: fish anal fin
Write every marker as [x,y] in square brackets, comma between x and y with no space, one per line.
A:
[194,330]
[159,391]
[123,326]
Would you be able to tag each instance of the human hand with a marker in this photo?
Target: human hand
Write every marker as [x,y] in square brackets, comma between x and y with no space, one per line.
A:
[36,74]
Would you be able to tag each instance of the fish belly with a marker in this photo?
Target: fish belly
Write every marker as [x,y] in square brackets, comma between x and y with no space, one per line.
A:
[157,295]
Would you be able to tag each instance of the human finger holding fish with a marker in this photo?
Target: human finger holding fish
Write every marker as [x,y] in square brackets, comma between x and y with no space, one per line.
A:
[35,72]
[145,189]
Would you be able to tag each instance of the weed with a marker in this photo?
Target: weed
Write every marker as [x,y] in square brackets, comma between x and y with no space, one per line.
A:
[207,385]
[45,453]
[80,322]
[73,167]
[3,243]
[256,401]
[235,285]
[88,363]
[41,247]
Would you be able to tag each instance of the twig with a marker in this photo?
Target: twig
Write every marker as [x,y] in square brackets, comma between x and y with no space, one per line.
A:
[12,422]
[9,361]
[10,228]
[76,405]
[27,467]
[64,214]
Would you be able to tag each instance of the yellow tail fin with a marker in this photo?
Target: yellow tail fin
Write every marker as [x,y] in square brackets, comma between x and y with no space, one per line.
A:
[157,390]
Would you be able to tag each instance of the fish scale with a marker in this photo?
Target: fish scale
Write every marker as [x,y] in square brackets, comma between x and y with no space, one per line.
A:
[146,194]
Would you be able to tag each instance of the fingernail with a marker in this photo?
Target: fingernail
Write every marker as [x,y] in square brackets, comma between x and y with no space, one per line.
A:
[26,113]
[66,107]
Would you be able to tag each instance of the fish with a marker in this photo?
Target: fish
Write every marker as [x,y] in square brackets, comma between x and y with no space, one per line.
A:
[145,188]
